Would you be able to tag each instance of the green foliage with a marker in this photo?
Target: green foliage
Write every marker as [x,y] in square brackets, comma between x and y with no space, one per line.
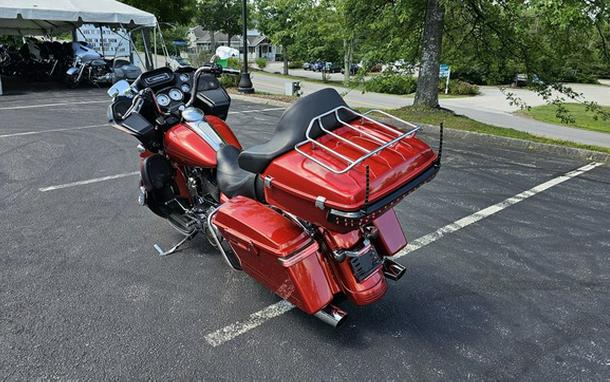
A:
[276,19]
[261,63]
[296,64]
[391,83]
[452,121]
[234,63]
[229,81]
[458,87]
[220,15]
[175,11]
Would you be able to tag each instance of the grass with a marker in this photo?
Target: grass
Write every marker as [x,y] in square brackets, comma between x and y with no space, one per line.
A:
[458,122]
[264,95]
[452,121]
[583,119]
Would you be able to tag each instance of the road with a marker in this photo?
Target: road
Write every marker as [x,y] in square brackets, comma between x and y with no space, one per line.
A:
[490,107]
[517,291]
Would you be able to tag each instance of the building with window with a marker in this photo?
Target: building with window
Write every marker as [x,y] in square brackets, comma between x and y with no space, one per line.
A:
[259,45]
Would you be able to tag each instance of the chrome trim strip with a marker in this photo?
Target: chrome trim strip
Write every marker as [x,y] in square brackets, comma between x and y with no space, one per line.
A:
[212,229]
[207,133]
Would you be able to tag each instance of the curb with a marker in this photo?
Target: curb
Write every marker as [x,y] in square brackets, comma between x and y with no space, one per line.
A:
[571,152]
[259,100]
[525,145]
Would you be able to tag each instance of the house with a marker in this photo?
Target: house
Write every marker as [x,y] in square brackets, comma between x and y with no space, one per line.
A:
[258,44]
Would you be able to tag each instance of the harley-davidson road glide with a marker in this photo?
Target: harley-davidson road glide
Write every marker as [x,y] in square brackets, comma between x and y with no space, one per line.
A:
[308,214]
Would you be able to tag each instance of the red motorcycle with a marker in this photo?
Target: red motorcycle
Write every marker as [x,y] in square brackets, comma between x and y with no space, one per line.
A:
[308,214]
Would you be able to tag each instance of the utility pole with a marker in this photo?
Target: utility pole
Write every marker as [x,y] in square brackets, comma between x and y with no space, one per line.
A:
[245,83]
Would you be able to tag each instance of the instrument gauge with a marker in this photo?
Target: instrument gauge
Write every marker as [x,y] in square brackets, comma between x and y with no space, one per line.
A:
[185,88]
[176,94]
[163,100]
[184,77]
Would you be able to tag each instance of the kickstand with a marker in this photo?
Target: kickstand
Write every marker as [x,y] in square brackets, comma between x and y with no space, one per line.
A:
[175,247]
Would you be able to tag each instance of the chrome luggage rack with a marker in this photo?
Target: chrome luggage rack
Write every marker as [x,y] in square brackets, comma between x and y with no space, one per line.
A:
[367,153]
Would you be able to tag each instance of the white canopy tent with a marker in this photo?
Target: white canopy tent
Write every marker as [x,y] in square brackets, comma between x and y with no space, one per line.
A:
[39,17]
[43,17]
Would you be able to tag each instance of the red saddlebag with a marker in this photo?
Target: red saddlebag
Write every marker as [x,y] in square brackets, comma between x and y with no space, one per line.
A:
[276,252]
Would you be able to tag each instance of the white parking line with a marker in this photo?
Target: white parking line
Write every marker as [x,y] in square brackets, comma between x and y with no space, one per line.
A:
[232,331]
[227,333]
[107,124]
[51,105]
[257,111]
[52,131]
[89,181]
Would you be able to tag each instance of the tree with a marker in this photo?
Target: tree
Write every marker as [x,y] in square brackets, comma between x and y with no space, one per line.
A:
[208,15]
[432,42]
[219,15]
[278,20]
[175,11]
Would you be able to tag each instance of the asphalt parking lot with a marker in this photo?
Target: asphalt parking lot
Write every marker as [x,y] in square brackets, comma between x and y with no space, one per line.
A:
[520,293]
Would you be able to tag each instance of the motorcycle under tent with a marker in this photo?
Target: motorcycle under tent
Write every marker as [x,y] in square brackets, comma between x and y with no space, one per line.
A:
[46,17]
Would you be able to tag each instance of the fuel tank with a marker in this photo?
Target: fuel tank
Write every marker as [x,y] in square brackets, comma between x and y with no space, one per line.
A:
[196,143]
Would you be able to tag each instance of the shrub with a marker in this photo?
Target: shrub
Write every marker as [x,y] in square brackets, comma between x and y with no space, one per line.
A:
[376,68]
[229,81]
[458,87]
[295,64]
[391,83]
[261,63]
[234,63]
[200,59]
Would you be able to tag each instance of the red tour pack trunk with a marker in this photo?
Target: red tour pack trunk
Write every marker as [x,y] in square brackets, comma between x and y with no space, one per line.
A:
[276,252]
[309,181]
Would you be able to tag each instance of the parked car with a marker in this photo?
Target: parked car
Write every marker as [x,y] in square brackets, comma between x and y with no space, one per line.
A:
[177,62]
[307,66]
[317,66]
[520,80]
[354,68]
[332,67]
[400,67]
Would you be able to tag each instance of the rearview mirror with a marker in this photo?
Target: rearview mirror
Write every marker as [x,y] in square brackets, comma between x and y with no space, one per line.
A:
[120,88]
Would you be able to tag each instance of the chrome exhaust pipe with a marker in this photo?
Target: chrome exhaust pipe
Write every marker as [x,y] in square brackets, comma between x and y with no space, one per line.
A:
[393,270]
[332,315]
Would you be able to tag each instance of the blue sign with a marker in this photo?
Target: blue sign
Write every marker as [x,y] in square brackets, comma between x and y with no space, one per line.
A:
[180,43]
[444,70]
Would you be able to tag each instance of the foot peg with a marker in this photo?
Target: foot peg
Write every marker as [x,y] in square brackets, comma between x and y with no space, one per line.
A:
[393,270]
[175,247]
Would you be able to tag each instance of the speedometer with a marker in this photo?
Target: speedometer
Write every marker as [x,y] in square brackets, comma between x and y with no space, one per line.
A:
[185,88]
[163,100]
[175,94]
[184,77]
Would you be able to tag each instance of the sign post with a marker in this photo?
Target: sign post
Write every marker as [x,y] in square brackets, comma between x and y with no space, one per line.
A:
[445,72]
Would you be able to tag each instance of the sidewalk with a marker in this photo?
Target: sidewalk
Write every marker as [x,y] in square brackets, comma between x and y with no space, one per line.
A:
[488,108]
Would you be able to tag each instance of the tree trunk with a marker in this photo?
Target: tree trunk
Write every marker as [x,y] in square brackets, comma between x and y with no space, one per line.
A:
[348,45]
[229,38]
[432,41]
[285,56]
[212,41]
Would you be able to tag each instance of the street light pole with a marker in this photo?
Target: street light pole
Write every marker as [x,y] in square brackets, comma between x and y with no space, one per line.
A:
[245,83]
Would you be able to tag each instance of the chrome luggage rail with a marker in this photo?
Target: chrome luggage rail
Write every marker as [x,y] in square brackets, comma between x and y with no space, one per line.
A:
[367,153]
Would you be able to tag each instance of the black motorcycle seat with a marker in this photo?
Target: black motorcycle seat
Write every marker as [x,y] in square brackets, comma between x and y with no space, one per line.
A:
[292,127]
[234,181]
